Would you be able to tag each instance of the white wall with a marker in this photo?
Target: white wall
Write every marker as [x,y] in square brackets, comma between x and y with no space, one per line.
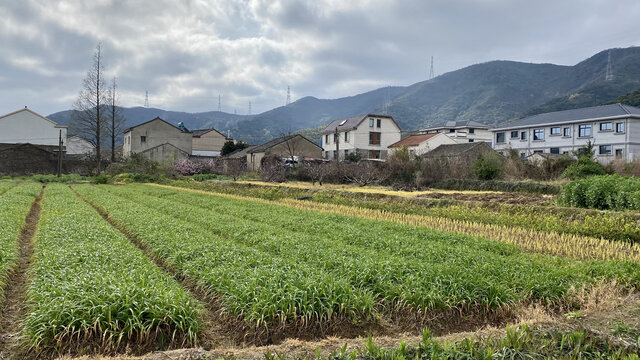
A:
[359,137]
[25,126]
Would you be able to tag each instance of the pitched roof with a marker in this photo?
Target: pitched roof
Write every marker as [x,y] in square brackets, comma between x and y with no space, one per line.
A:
[34,113]
[240,153]
[413,140]
[588,113]
[352,122]
[457,124]
[455,149]
[154,119]
[200,132]
[268,145]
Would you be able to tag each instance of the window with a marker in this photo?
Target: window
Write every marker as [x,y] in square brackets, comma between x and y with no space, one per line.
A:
[538,151]
[346,136]
[605,150]
[584,130]
[606,126]
[566,132]
[370,123]
[378,123]
[538,134]
[619,127]
[514,134]
[452,130]
[472,131]
[499,137]
[326,139]
[523,135]
[326,155]
[374,154]
[335,154]
[374,138]
[346,153]
[555,131]
[143,139]
[619,153]
[523,156]
[555,150]
[470,140]
[335,138]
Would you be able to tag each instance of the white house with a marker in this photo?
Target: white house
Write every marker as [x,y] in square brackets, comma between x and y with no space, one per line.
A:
[368,135]
[462,131]
[27,126]
[79,146]
[422,144]
[613,129]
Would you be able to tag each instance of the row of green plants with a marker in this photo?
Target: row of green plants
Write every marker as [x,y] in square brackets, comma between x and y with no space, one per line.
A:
[91,287]
[523,342]
[603,192]
[608,225]
[275,264]
[14,207]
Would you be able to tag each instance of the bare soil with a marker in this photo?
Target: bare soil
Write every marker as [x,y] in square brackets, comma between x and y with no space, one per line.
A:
[13,308]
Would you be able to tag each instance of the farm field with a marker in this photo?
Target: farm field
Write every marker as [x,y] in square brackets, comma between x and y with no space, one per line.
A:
[134,268]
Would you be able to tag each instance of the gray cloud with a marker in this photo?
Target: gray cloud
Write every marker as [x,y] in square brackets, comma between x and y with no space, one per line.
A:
[186,53]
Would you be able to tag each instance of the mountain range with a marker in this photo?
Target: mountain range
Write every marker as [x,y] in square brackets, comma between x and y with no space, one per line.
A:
[493,93]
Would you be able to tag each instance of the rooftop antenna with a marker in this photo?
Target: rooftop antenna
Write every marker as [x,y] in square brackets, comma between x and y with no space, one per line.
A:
[249,113]
[219,104]
[431,74]
[288,96]
[609,75]
[146,99]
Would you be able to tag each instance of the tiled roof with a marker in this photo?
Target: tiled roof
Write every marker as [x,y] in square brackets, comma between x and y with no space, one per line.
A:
[156,118]
[274,142]
[457,124]
[413,140]
[594,112]
[455,149]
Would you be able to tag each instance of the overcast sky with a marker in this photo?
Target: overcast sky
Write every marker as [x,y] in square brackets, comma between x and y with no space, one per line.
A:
[186,53]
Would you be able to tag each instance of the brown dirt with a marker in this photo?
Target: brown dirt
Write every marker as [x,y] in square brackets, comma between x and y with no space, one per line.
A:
[13,308]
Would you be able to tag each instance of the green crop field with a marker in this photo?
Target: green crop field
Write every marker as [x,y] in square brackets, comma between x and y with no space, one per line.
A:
[116,268]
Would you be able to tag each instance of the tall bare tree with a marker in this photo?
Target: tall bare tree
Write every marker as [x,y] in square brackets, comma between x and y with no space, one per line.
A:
[114,116]
[88,118]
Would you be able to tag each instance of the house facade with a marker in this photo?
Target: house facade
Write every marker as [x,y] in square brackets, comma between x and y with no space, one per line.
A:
[462,131]
[157,140]
[613,129]
[369,135]
[208,142]
[27,126]
[286,146]
[421,144]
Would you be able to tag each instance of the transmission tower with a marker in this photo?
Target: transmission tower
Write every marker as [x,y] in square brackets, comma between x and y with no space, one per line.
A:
[249,113]
[146,99]
[219,104]
[431,74]
[288,96]
[609,75]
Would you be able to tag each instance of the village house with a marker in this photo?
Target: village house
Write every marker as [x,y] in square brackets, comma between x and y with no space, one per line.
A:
[613,129]
[421,144]
[158,140]
[368,135]
[208,142]
[466,153]
[462,131]
[296,146]
[27,126]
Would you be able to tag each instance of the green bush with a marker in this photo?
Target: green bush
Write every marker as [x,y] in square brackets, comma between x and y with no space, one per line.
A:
[487,166]
[204,177]
[50,178]
[497,185]
[603,192]
[101,179]
[585,166]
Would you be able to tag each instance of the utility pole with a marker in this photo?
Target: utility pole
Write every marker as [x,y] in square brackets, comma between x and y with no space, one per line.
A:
[60,154]
[336,138]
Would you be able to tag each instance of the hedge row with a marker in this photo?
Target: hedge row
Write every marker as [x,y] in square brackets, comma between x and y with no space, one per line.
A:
[603,192]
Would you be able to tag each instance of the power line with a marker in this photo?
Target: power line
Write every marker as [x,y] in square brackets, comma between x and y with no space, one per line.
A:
[609,74]
[288,101]
[146,99]
[219,104]
[249,113]
[431,73]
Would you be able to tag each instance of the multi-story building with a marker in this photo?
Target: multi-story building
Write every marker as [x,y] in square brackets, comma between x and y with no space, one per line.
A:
[613,129]
[368,135]
[462,131]
[157,140]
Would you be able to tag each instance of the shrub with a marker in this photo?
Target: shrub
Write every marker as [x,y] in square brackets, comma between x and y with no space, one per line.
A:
[487,166]
[353,157]
[603,192]
[272,169]
[400,169]
[101,179]
[585,166]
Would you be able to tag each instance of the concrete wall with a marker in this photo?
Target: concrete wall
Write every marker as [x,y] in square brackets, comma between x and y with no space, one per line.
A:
[627,141]
[157,132]
[164,153]
[25,126]
[208,143]
[463,135]
[359,139]
[302,147]
[427,145]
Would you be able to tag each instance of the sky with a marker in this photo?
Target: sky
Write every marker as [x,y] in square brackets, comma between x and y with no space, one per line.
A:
[187,53]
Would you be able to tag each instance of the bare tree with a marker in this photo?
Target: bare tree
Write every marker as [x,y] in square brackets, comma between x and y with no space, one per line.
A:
[115,118]
[318,171]
[88,118]
[234,168]
[290,142]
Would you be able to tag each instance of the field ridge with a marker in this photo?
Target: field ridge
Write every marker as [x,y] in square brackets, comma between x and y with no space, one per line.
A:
[13,308]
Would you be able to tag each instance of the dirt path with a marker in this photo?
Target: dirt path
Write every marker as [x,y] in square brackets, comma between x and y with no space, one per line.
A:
[218,331]
[13,309]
